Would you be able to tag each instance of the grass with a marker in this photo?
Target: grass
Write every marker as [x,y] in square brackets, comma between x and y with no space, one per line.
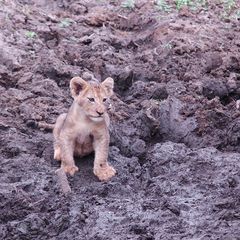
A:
[230,9]
[236,15]
[182,3]
[31,34]
[168,45]
[66,22]
[130,4]
[165,6]
[162,5]
[200,4]
[229,5]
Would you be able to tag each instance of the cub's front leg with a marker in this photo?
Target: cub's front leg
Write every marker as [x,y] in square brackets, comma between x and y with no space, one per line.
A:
[101,167]
[67,149]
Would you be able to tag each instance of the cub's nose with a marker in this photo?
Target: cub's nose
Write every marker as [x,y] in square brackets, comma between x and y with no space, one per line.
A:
[99,113]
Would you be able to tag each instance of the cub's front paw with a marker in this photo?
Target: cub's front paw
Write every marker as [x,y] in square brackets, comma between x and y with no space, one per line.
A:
[104,173]
[71,169]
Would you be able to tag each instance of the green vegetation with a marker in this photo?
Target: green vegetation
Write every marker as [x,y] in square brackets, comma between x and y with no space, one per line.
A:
[199,4]
[130,4]
[168,45]
[66,22]
[237,15]
[230,7]
[31,34]
[181,3]
[162,5]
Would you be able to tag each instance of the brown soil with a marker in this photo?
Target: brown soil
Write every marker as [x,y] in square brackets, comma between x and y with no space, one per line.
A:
[175,137]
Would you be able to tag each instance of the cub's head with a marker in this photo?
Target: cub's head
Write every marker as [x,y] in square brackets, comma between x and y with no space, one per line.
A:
[92,97]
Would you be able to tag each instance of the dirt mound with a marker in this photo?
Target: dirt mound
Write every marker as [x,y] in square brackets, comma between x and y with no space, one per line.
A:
[174,136]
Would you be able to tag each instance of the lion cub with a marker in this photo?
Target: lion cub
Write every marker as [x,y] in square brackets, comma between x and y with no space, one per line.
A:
[84,128]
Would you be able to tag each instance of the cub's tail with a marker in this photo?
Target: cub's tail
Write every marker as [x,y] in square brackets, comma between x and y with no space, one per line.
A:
[47,126]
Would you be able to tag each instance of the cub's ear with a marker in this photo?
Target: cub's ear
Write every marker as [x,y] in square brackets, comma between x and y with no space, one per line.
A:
[108,84]
[77,84]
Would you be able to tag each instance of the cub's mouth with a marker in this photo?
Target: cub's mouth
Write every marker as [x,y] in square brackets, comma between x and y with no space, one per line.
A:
[96,118]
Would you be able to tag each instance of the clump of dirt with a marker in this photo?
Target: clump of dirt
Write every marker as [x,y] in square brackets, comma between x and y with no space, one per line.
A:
[175,131]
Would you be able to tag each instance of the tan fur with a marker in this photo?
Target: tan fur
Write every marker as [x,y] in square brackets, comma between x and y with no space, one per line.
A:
[45,125]
[84,128]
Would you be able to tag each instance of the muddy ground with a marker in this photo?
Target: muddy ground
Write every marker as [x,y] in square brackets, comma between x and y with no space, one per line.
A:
[174,137]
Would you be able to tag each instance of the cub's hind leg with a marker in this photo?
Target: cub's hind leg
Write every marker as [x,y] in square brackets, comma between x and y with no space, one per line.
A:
[56,133]
[64,146]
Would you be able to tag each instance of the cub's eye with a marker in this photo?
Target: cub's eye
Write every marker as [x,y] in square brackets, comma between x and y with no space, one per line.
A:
[104,100]
[91,99]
